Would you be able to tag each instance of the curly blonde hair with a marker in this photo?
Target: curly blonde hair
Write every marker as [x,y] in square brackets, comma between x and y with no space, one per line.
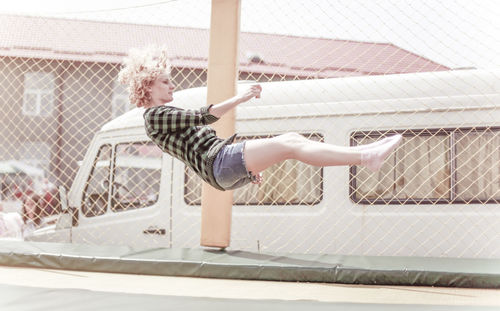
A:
[140,69]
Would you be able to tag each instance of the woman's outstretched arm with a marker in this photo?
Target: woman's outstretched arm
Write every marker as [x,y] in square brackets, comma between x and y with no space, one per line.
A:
[220,109]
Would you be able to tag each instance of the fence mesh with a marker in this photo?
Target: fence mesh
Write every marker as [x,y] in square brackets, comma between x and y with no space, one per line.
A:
[426,70]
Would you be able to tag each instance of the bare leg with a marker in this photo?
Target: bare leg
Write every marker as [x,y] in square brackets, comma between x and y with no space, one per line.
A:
[263,153]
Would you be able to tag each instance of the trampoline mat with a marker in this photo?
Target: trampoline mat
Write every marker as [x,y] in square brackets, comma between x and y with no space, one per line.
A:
[368,270]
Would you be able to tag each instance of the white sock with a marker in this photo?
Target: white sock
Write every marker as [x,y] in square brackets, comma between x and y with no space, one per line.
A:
[374,144]
[373,158]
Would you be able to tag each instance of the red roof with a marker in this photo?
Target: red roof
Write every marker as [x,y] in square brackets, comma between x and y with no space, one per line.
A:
[54,38]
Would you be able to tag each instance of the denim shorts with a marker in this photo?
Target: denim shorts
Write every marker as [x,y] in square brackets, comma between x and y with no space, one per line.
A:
[230,170]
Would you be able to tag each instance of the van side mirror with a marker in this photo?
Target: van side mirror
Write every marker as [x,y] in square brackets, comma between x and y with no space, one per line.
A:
[73,212]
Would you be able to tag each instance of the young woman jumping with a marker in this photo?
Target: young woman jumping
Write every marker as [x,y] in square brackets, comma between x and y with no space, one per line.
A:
[185,134]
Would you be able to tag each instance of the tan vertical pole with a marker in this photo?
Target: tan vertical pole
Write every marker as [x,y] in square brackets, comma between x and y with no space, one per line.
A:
[222,76]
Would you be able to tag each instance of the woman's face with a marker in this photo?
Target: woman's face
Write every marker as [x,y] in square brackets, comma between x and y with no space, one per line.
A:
[162,90]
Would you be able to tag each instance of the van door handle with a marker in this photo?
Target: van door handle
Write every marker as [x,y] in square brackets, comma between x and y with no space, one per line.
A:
[155,230]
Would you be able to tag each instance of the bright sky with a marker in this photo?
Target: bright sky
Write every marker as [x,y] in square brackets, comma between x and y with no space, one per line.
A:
[456,33]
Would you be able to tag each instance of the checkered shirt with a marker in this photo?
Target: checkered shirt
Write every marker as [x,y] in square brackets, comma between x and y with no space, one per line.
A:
[184,134]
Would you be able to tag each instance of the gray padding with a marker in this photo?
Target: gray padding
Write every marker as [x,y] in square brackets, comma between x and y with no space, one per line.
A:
[369,270]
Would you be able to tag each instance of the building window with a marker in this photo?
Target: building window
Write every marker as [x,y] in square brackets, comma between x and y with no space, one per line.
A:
[38,98]
[432,166]
[288,183]
[120,102]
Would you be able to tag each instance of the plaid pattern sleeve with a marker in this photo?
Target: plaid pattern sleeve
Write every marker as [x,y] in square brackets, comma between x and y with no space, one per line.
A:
[166,119]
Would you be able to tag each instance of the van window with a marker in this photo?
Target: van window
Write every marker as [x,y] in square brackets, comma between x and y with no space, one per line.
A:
[478,166]
[458,165]
[288,183]
[95,195]
[136,176]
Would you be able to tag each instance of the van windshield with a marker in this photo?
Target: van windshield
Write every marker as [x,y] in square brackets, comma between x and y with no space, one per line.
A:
[136,178]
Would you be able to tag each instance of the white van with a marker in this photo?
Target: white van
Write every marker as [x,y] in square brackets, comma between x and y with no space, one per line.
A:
[429,199]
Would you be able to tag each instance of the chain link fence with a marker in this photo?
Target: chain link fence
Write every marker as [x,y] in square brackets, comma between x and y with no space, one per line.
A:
[342,72]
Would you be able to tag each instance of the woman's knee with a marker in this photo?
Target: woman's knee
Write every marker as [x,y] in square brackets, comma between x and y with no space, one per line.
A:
[291,142]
